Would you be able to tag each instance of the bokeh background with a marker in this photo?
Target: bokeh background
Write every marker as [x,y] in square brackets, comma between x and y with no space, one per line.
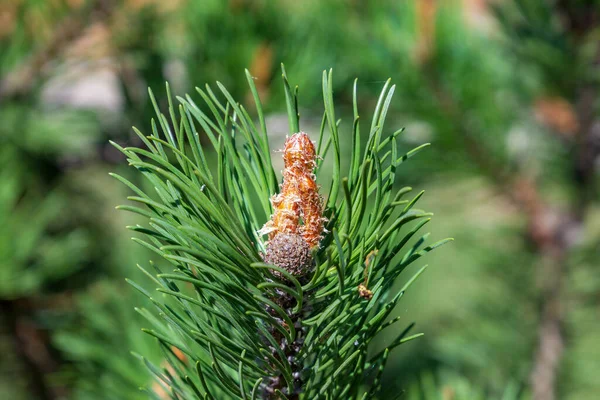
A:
[506,91]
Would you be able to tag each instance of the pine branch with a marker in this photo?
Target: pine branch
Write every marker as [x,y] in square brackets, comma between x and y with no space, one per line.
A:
[294,316]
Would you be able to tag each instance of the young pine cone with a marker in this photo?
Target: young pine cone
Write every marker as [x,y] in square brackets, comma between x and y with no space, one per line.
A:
[297,223]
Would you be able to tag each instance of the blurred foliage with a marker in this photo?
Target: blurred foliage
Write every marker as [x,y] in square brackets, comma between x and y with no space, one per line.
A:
[495,87]
[41,243]
[448,385]
[103,367]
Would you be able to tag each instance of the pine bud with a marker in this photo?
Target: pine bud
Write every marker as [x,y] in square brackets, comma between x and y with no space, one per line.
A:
[296,225]
[299,200]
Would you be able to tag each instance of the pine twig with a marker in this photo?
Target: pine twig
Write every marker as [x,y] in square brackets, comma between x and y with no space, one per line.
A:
[232,303]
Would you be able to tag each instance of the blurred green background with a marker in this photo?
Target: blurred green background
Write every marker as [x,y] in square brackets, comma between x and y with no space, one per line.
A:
[505,90]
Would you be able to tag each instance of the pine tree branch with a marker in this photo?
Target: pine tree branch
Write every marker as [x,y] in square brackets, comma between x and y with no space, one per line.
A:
[294,316]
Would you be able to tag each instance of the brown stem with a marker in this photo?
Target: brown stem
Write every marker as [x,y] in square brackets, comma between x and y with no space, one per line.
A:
[290,351]
[551,342]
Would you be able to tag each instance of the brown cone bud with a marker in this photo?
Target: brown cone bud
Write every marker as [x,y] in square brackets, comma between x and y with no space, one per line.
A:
[290,252]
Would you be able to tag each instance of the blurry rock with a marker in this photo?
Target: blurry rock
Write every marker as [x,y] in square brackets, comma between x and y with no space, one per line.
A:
[87,86]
